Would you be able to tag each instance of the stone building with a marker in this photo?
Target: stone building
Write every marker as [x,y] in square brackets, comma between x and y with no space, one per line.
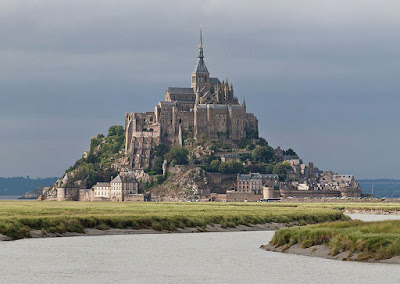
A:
[253,182]
[101,190]
[124,188]
[208,108]
[67,191]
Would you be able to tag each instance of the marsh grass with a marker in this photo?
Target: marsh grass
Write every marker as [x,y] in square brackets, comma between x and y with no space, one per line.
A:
[18,218]
[371,240]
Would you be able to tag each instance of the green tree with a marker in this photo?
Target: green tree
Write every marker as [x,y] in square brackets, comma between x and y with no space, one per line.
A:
[157,165]
[263,154]
[231,167]
[161,149]
[250,147]
[290,152]
[262,142]
[214,165]
[178,155]
[116,130]
[281,170]
[269,169]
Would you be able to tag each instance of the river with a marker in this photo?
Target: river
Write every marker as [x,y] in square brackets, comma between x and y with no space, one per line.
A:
[229,257]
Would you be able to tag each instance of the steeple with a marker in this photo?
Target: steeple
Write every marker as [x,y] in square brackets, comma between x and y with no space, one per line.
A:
[201,66]
[200,75]
[201,54]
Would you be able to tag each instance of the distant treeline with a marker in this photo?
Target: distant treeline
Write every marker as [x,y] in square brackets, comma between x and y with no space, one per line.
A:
[389,188]
[20,185]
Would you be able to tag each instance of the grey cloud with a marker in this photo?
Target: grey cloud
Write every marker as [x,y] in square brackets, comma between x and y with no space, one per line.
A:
[322,76]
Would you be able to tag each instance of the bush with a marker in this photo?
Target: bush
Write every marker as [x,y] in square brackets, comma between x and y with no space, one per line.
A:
[263,154]
[178,154]
[281,170]
[214,165]
[97,165]
[231,167]
[157,165]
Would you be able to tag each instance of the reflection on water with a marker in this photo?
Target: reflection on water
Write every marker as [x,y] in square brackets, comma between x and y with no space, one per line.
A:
[175,258]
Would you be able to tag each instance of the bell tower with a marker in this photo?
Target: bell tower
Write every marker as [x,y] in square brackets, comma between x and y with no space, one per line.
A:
[200,75]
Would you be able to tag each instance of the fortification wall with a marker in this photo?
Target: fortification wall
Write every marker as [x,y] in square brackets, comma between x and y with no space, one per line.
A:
[134,197]
[309,193]
[240,197]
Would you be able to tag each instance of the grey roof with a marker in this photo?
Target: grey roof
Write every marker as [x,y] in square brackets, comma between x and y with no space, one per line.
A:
[201,67]
[173,90]
[116,179]
[123,178]
[103,184]
[256,176]
[170,104]
[219,106]
[214,81]
[250,177]
[230,155]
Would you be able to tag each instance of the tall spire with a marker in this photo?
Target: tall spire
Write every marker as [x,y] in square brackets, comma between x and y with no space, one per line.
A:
[200,66]
[201,55]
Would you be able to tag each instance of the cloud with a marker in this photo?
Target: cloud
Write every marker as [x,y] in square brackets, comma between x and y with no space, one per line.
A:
[322,76]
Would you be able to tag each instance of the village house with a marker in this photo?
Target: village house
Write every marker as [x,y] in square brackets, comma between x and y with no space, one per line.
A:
[124,188]
[101,190]
[253,182]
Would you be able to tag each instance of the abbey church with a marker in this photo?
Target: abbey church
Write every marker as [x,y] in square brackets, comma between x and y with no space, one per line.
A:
[208,108]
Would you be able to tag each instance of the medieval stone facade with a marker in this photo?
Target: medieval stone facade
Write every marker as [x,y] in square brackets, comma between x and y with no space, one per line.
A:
[208,108]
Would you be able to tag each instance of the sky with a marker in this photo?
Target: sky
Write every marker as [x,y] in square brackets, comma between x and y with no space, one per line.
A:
[321,76]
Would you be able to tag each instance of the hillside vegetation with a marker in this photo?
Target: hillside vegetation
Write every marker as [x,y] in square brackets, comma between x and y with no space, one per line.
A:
[96,165]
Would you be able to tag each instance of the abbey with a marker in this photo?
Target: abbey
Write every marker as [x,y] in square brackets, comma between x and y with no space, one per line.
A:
[208,108]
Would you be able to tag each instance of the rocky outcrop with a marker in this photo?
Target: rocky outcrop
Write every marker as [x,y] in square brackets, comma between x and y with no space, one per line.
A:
[183,183]
[34,193]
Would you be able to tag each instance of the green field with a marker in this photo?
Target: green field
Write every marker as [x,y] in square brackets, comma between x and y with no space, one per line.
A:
[18,218]
[371,240]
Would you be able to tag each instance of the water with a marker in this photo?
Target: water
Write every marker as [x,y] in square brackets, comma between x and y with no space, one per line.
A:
[9,197]
[372,217]
[232,257]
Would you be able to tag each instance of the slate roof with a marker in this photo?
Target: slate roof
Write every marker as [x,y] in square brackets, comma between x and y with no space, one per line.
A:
[123,179]
[257,176]
[201,67]
[117,179]
[174,90]
[214,81]
[102,184]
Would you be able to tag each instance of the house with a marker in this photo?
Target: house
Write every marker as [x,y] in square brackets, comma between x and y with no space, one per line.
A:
[125,188]
[101,190]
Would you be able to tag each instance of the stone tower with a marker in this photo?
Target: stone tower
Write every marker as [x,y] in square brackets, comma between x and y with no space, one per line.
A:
[200,75]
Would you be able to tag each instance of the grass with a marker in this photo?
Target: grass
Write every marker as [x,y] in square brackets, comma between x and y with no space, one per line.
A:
[18,218]
[370,240]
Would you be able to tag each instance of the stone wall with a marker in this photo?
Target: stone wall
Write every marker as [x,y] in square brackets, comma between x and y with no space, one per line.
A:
[134,197]
[233,196]
[309,193]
